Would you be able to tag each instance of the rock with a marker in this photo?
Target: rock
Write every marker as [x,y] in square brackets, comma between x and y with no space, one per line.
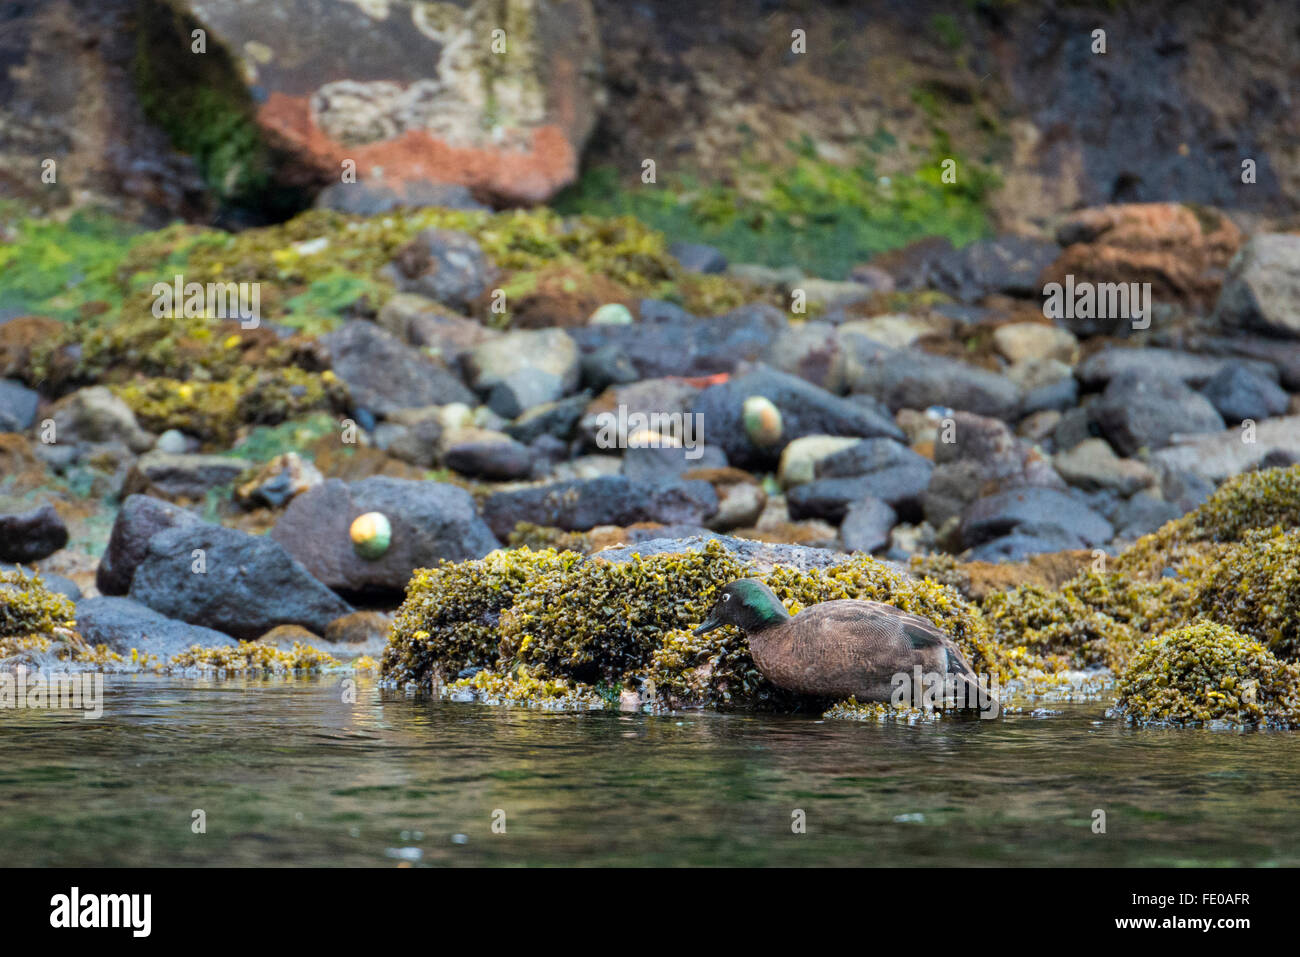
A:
[430,521]
[557,419]
[420,322]
[867,525]
[1262,291]
[911,379]
[699,257]
[1035,509]
[1240,393]
[685,346]
[1138,411]
[1022,341]
[371,199]
[1143,514]
[828,293]
[182,476]
[611,314]
[1047,383]
[95,414]
[576,506]
[805,410]
[123,624]
[138,520]
[284,637]
[173,442]
[414,96]
[1191,369]
[1182,252]
[900,486]
[1024,543]
[279,480]
[606,366]
[800,457]
[384,375]
[741,498]
[1093,465]
[360,633]
[763,556]
[1222,455]
[32,535]
[667,463]
[55,583]
[1002,459]
[17,406]
[482,453]
[1039,426]
[249,583]
[446,266]
[523,369]
[1007,264]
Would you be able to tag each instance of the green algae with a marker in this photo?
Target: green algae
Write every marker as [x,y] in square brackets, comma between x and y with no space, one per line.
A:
[1207,672]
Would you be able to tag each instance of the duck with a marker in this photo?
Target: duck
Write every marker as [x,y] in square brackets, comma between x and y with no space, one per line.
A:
[837,649]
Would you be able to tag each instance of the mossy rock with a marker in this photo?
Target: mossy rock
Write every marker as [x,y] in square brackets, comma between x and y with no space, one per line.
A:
[30,610]
[1255,588]
[1208,672]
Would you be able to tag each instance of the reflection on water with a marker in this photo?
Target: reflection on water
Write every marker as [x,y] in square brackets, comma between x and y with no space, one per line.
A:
[287,773]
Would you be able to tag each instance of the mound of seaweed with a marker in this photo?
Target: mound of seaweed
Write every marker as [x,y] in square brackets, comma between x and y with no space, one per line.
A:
[32,617]
[1208,672]
[556,616]
[1255,588]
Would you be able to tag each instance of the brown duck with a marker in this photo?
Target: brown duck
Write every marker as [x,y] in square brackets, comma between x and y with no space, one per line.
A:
[837,648]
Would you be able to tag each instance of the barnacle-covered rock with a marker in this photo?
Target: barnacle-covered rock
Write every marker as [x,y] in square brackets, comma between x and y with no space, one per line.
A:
[1208,672]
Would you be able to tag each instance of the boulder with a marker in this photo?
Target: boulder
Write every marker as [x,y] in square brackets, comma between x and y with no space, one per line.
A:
[123,625]
[1144,412]
[96,415]
[226,579]
[31,535]
[446,266]
[184,476]
[867,525]
[384,375]
[1262,291]
[582,504]
[1034,508]
[1240,393]
[138,520]
[430,521]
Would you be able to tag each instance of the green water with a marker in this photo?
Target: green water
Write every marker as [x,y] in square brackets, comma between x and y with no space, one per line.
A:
[287,773]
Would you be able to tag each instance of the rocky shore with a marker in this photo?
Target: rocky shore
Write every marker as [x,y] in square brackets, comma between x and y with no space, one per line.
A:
[571,437]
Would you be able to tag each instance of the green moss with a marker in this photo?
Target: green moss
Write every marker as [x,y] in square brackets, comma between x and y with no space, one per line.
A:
[28,608]
[265,442]
[1208,672]
[823,217]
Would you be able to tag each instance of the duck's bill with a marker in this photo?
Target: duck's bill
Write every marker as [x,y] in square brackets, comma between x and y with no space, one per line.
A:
[709,625]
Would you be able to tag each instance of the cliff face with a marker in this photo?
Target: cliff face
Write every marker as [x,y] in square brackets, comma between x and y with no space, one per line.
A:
[1182,95]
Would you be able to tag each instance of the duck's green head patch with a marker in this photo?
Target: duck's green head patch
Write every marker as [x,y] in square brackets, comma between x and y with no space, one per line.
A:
[746,603]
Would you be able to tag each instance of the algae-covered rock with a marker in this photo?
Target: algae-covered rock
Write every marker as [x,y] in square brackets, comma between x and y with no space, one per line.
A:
[1255,588]
[1208,672]
[28,608]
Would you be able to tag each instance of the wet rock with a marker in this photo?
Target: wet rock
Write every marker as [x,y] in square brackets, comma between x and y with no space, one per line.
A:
[446,266]
[138,520]
[55,583]
[1093,465]
[123,624]
[404,94]
[182,476]
[279,480]
[699,257]
[96,415]
[1032,509]
[1262,292]
[805,410]
[486,454]
[384,375]
[686,346]
[248,583]
[1240,393]
[430,521]
[1140,411]
[17,406]
[576,506]
[32,535]
[867,525]
[523,369]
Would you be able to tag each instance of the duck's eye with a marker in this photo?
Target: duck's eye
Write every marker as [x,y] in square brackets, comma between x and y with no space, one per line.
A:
[726,598]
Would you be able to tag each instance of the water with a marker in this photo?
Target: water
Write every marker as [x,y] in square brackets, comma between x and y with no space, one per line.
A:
[286,773]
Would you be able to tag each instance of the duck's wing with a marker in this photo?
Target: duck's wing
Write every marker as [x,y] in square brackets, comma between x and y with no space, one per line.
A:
[923,635]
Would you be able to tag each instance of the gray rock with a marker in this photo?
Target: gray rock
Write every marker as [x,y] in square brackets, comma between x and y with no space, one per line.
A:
[523,369]
[1143,514]
[1093,465]
[556,419]
[366,199]
[609,500]
[1262,289]
[17,406]
[1007,264]
[446,266]
[1140,411]
[430,521]
[95,414]
[139,519]
[385,375]
[123,624]
[1038,508]
[1221,455]
[608,365]
[867,525]
[182,476]
[250,583]
[1189,368]
[32,535]
[667,463]
[487,455]
[1022,544]
[699,257]
[420,322]
[1240,393]
[901,486]
[805,410]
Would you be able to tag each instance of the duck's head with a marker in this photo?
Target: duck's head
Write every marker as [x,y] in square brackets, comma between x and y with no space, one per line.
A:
[746,603]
